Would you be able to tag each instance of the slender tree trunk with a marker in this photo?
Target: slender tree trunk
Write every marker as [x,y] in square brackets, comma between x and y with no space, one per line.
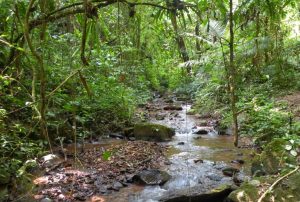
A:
[232,77]
[266,34]
[256,58]
[197,33]
[180,41]
[41,77]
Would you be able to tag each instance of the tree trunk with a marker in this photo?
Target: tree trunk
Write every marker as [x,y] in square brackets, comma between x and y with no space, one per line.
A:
[232,78]
[41,76]
[197,33]
[180,41]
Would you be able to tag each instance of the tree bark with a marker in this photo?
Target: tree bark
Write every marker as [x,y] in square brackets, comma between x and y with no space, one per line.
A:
[180,41]
[197,33]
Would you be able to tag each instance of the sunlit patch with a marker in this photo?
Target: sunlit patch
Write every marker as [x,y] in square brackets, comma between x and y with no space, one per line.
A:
[38,197]
[41,180]
[97,199]
[241,195]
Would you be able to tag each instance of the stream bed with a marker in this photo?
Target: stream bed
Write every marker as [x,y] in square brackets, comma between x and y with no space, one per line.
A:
[195,161]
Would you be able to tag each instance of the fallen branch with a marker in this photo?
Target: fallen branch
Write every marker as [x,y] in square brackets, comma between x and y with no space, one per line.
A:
[275,183]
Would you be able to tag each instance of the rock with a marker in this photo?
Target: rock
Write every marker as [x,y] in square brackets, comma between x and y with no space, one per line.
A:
[169,100]
[230,171]
[116,135]
[173,107]
[198,161]
[238,161]
[117,186]
[50,160]
[202,123]
[200,131]
[131,138]
[160,117]
[237,179]
[46,200]
[153,132]
[197,138]
[180,143]
[152,177]
[255,183]
[128,132]
[214,177]
[219,194]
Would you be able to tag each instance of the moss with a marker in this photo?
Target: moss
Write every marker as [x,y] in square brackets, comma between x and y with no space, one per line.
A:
[153,132]
[191,112]
[246,193]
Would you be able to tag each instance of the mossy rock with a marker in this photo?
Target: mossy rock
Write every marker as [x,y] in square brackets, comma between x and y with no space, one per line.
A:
[273,158]
[218,194]
[191,112]
[153,132]
[246,193]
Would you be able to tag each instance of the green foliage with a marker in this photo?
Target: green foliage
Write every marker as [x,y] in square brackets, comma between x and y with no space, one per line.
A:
[264,119]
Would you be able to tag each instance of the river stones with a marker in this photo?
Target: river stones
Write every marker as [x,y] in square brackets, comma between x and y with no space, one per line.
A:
[152,177]
[173,107]
[160,117]
[153,132]
[230,171]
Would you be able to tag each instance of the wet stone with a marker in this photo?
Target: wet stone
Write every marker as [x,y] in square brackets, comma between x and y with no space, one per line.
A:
[198,161]
[214,177]
[117,186]
[46,200]
[180,143]
[230,171]
[200,132]
[152,177]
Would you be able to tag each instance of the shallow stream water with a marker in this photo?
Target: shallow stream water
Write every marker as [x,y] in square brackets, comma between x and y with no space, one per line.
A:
[195,165]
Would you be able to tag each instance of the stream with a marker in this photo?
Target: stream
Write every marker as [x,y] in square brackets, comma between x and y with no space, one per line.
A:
[195,161]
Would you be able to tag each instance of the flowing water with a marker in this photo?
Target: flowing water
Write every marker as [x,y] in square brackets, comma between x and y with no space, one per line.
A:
[195,165]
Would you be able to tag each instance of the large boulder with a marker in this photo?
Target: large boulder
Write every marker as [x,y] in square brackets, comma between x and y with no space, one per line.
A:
[153,132]
[152,177]
[218,194]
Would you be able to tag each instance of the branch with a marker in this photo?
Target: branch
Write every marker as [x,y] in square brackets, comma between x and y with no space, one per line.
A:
[276,182]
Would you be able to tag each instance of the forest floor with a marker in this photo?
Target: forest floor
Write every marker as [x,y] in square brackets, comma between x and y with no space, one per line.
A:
[293,101]
[98,170]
